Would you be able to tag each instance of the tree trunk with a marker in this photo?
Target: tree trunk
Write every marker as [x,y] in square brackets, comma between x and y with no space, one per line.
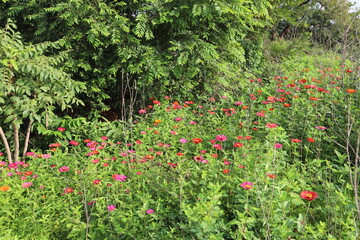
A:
[6,144]
[26,143]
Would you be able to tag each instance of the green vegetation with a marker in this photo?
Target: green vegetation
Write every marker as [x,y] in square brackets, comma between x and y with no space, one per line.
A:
[179,119]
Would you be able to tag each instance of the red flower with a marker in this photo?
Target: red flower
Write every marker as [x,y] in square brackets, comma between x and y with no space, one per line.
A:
[308,195]
[196,140]
[54,145]
[311,140]
[272,176]
[296,140]
[226,171]
[238,144]
[287,105]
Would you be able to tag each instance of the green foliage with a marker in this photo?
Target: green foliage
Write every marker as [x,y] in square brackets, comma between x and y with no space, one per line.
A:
[31,84]
[151,48]
[227,168]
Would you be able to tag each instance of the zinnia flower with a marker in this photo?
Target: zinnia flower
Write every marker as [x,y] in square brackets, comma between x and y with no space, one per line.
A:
[221,138]
[183,140]
[308,195]
[61,129]
[27,184]
[350,90]
[68,190]
[271,125]
[196,140]
[4,188]
[296,140]
[150,211]
[119,177]
[111,208]
[247,185]
[64,169]
[278,145]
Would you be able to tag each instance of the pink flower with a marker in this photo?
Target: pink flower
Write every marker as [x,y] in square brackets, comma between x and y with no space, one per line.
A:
[97,181]
[30,154]
[150,211]
[95,161]
[271,125]
[321,127]
[142,111]
[61,129]
[13,165]
[27,184]
[192,122]
[238,103]
[46,156]
[183,140]
[64,169]
[278,145]
[111,208]
[23,178]
[247,185]
[221,138]
[119,177]
[1,153]
[104,138]
[260,114]
[178,119]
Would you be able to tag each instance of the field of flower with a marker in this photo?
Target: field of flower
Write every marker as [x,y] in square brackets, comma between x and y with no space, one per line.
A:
[279,161]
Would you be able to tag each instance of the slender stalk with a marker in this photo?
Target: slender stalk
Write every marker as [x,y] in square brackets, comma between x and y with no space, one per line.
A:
[26,143]
[16,142]
[6,144]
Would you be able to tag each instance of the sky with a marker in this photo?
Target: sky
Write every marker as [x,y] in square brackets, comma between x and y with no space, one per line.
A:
[357,3]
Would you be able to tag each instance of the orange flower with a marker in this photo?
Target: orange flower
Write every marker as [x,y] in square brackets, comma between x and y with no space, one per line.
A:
[351,90]
[226,171]
[157,121]
[28,173]
[197,140]
[287,105]
[4,188]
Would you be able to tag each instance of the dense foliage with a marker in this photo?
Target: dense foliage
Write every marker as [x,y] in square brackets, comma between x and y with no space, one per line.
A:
[278,162]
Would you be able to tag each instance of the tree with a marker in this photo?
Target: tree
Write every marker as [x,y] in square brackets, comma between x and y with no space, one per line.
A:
[31,86]
[149,47]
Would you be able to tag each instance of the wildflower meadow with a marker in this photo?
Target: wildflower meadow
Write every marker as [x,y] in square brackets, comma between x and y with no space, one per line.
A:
[279,161]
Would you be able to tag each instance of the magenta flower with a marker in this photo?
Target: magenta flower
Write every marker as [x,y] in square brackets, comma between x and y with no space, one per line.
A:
[238,103]
[221,138]
[64,169]
[61,129]
[111,208]
[119,177]
[27,184]
[321,127]
[178,119]
[150,211]
[278,145]
[246,185]
[30,154]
